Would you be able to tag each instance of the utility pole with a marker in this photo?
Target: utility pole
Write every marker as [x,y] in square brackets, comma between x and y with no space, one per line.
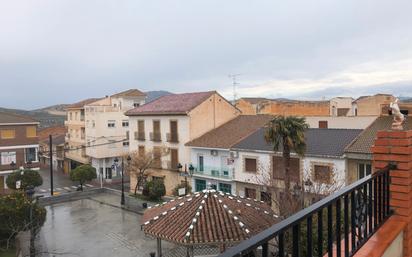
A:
[234,83]
[51,164]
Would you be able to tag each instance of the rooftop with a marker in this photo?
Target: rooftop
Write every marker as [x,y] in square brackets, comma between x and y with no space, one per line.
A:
[363,143]
[82,103]
[10,118]
[230,133]
[319,142]
[130,93]
[176,104]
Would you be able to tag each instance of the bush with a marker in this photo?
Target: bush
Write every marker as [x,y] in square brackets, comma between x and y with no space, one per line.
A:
[28,178]
[182,185]
[82,174]
[156,189]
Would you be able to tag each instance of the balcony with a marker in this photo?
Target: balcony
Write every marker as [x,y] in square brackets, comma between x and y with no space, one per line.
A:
[214,172]
[172,138]
[338,225]
[155,136]
[140,136]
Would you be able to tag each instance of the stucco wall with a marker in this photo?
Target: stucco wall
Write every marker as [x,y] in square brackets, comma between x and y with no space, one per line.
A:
[246,107]
[210,114]
[372,105]
[348,122]
[298,108]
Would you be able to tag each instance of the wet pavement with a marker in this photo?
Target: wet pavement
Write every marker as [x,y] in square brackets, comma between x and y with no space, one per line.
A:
[90,228]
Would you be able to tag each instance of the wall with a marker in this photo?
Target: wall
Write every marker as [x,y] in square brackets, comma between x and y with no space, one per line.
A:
[340,103]
[372,105]
[210,114]
[296,108]
[353,122]
[246,107]
[75,123]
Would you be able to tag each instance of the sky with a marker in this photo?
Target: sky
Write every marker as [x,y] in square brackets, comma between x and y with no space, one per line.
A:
[62,51]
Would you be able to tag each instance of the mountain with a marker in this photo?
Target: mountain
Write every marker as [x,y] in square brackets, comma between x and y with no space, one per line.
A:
[58,109]
[153,95]
[406,99]
[45,118]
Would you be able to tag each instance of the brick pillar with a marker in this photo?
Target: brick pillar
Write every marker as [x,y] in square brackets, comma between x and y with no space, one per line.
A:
[396,146]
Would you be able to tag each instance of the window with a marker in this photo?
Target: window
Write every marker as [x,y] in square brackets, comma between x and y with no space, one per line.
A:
[279,170]
[7,134]
[126,143]
[125,123]
[75,115]
[71,116]
[111,124]
[226,188]
[173,131]
[93,124]
[323,124]
[322,173]
[266,197]
[200,185]
[31,154]
[250,165]
[136,105]
[200,163]
[31,131]
[157,157]
[7,158]
[250,193]
[364,170]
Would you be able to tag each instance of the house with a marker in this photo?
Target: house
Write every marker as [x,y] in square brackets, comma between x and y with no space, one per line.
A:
[359,152]
[371,105]
[76,134]
[171,121]
[19,145]
[58,134]
[341,106]
[346,122]
[211,155]
[107,129]
[258,166]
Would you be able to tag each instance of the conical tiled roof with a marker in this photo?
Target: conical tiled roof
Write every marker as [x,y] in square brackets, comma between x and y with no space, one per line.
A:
[208,217]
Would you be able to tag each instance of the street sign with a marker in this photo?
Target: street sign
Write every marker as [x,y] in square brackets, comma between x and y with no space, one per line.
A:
[182,191]
[18,184]
[183,174]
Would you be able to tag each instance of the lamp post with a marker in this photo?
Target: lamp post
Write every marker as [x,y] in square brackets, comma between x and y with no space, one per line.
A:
[13,165]
[116,165]
[186,174]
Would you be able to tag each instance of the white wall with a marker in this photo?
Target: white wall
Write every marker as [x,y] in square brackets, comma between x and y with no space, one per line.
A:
[183,135]
[350,122]
[263,165]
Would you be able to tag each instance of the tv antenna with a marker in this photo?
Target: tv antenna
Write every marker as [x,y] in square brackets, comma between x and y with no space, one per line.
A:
[234,83]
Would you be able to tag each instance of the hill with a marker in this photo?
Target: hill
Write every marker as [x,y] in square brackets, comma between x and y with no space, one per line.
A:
[153,95]
[45,118]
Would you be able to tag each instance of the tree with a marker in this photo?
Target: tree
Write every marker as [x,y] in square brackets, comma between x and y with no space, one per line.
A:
[27,178]
[83,174]
[156,189]
[15,217]
[288,133]
[141,163]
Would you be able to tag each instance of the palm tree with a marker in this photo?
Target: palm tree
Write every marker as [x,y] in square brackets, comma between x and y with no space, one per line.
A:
[288,132]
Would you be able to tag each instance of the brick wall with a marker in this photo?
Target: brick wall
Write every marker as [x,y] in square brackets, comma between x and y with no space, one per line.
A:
[396,146]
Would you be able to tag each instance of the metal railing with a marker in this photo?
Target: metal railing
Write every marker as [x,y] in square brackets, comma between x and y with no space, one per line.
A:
[139,136]
[155,136]
[216,172]
[353,215]
[172,137]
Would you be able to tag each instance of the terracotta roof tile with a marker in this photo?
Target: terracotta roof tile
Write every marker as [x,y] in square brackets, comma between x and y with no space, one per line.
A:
[231,132]
[171,104]
[208,217]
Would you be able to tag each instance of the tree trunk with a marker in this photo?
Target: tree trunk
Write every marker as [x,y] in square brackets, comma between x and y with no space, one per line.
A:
[81,186]
[137,184]
[32,239]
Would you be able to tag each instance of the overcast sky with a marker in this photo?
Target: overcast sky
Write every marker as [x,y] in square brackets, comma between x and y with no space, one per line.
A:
[61,51]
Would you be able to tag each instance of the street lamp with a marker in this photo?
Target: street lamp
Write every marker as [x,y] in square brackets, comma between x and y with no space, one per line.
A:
[30,192]
[13,165]
[186,174]
[116,165]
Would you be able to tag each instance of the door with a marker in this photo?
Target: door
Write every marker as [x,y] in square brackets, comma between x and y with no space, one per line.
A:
[200,185]
[224,166]
[173,131]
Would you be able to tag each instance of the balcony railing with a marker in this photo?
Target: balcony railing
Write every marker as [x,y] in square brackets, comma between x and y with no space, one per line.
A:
[139,136]
[172,138]
[216,172]
[352,216]
[155,136]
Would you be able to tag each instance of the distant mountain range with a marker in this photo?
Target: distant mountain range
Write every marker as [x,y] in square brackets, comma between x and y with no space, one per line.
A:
[56,114]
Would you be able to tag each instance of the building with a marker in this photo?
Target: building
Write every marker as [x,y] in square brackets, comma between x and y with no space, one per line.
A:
[170,122]
[258,166]
[76,134]
[107,129]
[346,122]
[19,145]
[58,134]
[371,105]
[250,105]
[359,152]
[341,106]
[210,153]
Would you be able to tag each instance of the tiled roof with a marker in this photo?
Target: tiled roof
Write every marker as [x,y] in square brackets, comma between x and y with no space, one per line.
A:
[362,144]
[12,118]
[130,92]
[319,142]
[172,104]
[55,131]
[231,132]
[208,217]
[82,103]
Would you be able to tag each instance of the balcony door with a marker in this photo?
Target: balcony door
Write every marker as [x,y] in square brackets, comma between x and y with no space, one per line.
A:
[173,131]
[224,166]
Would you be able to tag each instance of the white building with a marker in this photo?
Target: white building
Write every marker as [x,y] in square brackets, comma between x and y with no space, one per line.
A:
[258,166]
[170,122]
[107,129]
[211,156]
